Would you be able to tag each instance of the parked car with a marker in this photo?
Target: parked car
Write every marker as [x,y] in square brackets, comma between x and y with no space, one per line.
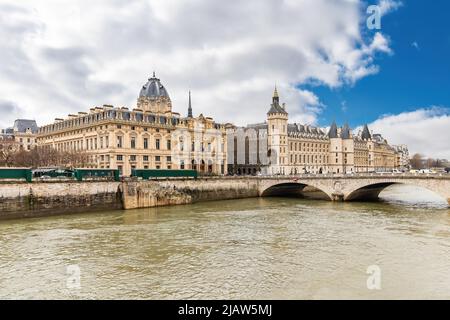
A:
[447,170]
[427,171]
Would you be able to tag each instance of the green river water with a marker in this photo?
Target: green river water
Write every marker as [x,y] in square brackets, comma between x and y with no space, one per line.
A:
[268,248]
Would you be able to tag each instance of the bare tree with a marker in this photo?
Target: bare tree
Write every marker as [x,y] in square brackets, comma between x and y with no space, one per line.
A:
[417,161]
[43,157]
[8,150]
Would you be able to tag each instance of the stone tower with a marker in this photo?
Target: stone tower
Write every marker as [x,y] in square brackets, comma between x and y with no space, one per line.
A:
[277,120]
[341,158]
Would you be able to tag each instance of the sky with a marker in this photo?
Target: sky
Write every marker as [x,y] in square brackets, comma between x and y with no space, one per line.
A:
[60,57]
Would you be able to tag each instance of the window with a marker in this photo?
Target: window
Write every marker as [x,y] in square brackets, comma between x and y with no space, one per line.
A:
[120,168]
[145,143]
[145,158]
[181,145]
[169,145]
[158,158]
[169,159]
[158,142]
[193,147]
[133,142]
[119,141]
[119,157]
[133,157]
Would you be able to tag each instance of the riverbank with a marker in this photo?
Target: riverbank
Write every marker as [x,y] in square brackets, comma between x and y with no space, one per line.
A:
[36,199]
[29,200]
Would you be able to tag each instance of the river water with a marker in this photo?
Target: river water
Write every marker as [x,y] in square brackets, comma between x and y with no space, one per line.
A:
[269,248]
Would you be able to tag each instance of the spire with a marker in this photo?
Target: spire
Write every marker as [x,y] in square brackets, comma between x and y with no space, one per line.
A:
[366,133]
[275,93]
[276,97]
[154,74]
[275,106]
[333,131]
[345,134]
[190,106]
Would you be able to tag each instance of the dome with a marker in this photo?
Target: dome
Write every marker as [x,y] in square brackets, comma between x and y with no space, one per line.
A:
[153,89]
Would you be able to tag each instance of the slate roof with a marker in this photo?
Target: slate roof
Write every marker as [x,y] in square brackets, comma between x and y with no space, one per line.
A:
[333,133]
[21,125]
[276,108]
[153,89]
[345,133]
[366,133]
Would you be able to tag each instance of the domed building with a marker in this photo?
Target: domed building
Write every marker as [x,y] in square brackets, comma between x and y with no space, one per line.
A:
[149,136]
[154,97]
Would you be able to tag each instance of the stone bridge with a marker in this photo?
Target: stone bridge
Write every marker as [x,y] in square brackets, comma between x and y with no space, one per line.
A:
[142,194]
[354,187]
[23,199]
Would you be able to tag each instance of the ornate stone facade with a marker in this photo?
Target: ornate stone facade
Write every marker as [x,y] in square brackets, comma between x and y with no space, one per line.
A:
[296,148]
[22,136]
[150,136]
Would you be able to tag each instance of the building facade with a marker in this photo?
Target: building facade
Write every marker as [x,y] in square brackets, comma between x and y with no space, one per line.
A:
[402,157]
[149,136]
[291,148]
[23,134]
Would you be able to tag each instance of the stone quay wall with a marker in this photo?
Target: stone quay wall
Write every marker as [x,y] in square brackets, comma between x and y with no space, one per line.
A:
[145,194]
[23,200]
[27,200]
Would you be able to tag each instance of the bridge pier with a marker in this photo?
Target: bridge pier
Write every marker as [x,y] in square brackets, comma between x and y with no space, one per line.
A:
[337,197]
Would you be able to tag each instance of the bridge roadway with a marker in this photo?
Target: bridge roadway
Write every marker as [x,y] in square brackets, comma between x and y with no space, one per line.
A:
[349,187]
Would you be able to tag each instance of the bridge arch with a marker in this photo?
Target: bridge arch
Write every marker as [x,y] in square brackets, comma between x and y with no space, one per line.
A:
[371,191]
[294,189]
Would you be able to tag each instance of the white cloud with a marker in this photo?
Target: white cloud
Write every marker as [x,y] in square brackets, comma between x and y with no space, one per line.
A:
[425,131]
[62,57]
[387,6]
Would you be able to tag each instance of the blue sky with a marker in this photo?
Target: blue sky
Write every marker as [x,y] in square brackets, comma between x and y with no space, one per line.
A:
[415,75]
